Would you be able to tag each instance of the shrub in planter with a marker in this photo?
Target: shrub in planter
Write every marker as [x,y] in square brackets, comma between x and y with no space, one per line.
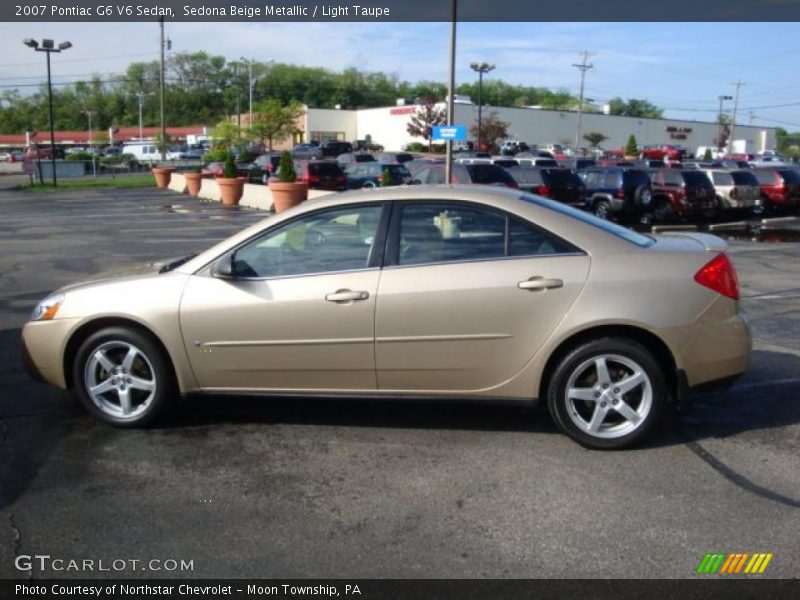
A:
[286,190]
[231,187]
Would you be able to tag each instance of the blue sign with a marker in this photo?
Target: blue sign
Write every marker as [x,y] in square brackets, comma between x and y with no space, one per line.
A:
[455,133]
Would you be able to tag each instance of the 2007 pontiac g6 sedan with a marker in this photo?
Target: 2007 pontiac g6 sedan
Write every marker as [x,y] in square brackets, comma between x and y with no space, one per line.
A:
[442,291]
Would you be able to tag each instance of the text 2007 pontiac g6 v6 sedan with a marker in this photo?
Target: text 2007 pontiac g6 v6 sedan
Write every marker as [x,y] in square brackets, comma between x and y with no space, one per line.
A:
[417,291]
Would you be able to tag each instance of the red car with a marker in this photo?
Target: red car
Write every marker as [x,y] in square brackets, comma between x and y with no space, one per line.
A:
[780,188]
[663,151]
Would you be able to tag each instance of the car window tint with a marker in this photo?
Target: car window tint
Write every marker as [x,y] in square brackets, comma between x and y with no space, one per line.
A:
[790,176]
[696,179]
[526,240]
[744,178]
[433,233]
[673,178]
[722,178]
[610,180]
[332,240]
[526,175]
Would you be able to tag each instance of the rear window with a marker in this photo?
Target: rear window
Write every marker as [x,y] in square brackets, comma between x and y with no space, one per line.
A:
[695,178]
[618,231]
[636,178]
[397,171]
[364,158]
[790,176]
[329,169]
[744,178]
[546,162]
[560,177]
[487,174]
[526,175]
[722,178]
[765,177]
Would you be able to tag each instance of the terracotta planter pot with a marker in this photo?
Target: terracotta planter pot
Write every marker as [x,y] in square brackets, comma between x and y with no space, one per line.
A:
[162,176]
[193,183]
[231,190]
[287,195]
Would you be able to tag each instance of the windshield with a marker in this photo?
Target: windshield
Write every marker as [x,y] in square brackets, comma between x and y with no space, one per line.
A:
[612,228]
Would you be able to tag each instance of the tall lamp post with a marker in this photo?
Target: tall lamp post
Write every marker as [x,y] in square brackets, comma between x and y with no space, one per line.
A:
[48,46]
[480,69]
[89,112]
[719,118]
[141,96]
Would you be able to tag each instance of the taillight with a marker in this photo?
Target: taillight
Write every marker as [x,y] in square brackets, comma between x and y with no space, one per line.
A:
[512,184]
[734,193]
[720,276]
[619,193]
[543,190]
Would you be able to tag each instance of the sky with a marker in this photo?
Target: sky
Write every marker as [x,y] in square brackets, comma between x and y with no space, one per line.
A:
[681,67]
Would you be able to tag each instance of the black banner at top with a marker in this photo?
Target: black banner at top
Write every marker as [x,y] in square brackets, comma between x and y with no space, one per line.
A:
[399,10]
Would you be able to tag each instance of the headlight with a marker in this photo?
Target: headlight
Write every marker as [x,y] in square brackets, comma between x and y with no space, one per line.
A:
[47,308]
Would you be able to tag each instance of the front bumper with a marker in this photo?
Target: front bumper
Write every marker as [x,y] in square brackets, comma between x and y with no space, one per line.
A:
[43,344]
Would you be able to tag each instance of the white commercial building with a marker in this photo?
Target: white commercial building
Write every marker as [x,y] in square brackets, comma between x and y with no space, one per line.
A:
[387,126]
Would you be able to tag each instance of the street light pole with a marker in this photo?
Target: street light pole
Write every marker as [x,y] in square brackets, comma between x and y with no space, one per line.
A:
[719,126]
[480,69]
[88,112]
[48,47]
[451,85]
[141,96]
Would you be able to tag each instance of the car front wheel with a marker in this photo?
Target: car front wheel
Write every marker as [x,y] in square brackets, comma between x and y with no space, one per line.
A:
[608,393]
[122,377]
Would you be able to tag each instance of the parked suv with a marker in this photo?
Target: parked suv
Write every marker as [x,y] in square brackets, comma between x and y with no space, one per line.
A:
[321,174]
[333,148]
[372,174]
[617,191]
[485,174]
[780,188]
[558,183]
[683,193]
[735,189]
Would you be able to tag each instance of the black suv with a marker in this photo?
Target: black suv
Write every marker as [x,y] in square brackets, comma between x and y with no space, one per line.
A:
[334,148]
[617,191]
[558,183]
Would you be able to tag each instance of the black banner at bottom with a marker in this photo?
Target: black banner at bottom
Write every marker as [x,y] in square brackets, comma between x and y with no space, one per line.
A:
[404,589]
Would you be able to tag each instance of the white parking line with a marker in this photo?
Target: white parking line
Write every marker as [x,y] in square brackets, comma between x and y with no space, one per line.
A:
[761,384]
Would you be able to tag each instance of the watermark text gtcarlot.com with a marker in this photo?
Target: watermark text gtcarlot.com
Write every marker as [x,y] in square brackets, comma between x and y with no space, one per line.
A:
[45,562]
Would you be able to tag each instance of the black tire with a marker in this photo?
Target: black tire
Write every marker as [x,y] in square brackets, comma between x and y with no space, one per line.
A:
[149,366]
[643,195]
[646,401]
[662,211]
[602,209]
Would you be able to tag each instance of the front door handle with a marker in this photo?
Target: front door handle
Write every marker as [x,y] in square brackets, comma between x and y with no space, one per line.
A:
[345,296]
[540,283]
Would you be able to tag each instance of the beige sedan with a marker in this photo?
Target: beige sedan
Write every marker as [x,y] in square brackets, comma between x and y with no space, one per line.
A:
[440,291]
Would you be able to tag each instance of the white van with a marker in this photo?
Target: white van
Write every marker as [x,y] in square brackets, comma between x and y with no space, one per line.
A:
[146,150]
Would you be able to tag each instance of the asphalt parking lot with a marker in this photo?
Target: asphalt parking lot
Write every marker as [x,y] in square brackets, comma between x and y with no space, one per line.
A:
[336,489]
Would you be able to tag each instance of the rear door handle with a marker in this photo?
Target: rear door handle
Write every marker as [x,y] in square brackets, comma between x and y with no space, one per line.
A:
[344,296]
[540,283]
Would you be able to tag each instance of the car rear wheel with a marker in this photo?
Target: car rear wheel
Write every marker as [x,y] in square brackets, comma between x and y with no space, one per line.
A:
[662,212]
[608,393]
[122,377]
[602,209]
[643,195]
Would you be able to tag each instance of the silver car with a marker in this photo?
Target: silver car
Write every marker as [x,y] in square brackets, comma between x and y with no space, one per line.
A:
[422,291]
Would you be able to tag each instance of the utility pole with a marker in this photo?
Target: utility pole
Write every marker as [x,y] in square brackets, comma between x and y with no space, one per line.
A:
[583,67]
[251,82]
[451,88]
[163,144]
[89,112]
[141,96]
[738,84]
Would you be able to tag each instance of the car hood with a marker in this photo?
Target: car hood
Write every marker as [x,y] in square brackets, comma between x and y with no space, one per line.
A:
[127,273]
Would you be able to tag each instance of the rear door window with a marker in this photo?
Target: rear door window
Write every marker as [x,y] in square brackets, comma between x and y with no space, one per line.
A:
[744,178]
[722,178]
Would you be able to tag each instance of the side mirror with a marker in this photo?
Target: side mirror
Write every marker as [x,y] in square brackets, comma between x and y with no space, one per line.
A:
[223,267]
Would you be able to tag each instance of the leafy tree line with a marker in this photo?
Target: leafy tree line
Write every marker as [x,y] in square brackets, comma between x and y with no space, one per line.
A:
[201,88]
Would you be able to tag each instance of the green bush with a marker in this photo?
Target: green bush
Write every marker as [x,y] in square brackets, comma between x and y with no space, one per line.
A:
[632,148]
[215,155]
[417,147]
[247,156]
[286,172]
[707,155]
[229,169]
[80,156]
[439,148]
[386,179]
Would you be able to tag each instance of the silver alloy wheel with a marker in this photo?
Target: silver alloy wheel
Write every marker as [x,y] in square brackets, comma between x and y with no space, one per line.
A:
[120,379]
[609,396]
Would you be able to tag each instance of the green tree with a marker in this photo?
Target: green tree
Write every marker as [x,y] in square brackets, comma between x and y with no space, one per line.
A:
[226,135]
[595,138]
[634,108]
[632,148]
[274,122]
[425,119]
